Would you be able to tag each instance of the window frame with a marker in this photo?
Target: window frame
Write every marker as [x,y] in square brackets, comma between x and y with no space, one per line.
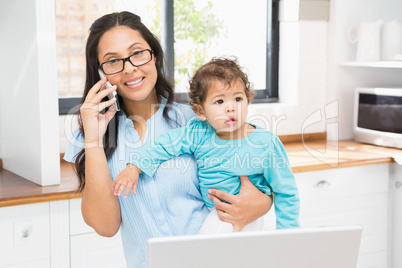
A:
[267,95]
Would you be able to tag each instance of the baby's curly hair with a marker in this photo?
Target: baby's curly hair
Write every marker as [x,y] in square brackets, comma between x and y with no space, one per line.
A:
[223,69]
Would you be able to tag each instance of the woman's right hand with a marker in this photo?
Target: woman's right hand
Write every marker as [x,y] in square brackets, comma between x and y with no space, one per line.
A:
[244,208]
[95,123]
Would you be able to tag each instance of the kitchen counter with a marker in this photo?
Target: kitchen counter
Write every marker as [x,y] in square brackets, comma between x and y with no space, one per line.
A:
[322,154]
[15,190]
[309,156]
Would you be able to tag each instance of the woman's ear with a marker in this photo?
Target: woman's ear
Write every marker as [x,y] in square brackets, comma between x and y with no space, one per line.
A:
[199,111]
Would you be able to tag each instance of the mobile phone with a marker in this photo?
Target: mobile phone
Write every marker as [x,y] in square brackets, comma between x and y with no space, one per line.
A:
[110,95]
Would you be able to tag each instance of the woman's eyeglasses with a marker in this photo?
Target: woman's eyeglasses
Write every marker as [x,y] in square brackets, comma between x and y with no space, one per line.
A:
[138,58]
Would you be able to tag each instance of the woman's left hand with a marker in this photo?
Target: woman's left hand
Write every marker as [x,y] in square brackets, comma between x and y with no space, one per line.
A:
[241,209]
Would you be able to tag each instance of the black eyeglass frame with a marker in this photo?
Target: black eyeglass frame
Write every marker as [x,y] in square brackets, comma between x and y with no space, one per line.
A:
[127,59]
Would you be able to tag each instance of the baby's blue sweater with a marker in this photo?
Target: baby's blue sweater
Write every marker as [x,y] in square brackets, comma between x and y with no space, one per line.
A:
[260,155]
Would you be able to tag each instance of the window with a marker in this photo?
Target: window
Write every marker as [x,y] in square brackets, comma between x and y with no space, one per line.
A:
[249,32]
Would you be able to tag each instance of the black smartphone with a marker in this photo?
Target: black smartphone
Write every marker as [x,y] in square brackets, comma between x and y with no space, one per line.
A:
[111,95]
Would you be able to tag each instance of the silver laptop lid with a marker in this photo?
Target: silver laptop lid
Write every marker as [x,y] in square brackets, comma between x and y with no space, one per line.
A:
[288,248]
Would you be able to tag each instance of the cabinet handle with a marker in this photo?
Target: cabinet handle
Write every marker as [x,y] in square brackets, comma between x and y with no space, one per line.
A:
[398,184]
[26,232]
[322,184]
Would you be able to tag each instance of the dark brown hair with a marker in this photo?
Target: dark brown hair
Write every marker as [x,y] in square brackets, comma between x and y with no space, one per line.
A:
[163,86]
[226,70]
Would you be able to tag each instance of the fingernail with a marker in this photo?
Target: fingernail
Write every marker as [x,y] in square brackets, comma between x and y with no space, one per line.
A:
[209,191]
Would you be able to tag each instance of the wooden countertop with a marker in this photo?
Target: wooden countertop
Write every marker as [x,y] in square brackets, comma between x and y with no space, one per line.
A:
[15,190]
[308,156]
[320,155]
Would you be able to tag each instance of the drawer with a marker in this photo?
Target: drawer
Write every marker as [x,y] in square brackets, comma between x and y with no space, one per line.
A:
[342,182]
[369,211]
[24,232]
[373,260]
[77,223]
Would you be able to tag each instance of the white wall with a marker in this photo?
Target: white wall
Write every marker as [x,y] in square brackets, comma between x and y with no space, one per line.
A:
[29,90]
[302,80]
[302,73]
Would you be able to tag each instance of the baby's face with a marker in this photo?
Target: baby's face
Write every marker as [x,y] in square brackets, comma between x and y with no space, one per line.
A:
[225,107]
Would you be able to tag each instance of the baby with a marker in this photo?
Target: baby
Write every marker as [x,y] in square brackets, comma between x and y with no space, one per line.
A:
[225,147]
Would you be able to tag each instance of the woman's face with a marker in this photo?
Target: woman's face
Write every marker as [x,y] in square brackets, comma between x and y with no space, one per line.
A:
[133,83]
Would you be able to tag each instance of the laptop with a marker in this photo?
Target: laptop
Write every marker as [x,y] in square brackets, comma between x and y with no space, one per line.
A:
[329,247]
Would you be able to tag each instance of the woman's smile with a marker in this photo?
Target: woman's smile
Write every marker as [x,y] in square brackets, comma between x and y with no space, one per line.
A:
[135,82]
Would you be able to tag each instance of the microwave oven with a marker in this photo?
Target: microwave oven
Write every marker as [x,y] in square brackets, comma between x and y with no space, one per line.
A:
[377,116]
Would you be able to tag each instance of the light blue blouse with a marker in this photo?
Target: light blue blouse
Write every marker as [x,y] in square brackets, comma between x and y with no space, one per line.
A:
[168,203]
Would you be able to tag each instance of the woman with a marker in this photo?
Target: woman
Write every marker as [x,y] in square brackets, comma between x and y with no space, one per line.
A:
[169,203]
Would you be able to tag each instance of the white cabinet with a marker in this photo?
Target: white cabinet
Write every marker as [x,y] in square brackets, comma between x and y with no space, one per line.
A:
[24,236]
[91,250]
[53,234]
[77,223]
[87,249]
[396,208]
[349,196]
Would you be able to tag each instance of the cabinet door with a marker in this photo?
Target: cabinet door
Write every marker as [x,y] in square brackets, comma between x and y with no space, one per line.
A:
[348,196]
[373,260]
[324,196]
[77,223]
[342,182]
[89,249]
[24,233]
[396,191]
[369,211]
[92,250]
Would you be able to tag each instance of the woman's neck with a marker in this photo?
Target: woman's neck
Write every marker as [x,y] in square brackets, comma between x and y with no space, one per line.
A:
[140,111]
[144,109]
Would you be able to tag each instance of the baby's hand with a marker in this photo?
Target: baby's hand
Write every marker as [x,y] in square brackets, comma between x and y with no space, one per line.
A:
[127,178]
